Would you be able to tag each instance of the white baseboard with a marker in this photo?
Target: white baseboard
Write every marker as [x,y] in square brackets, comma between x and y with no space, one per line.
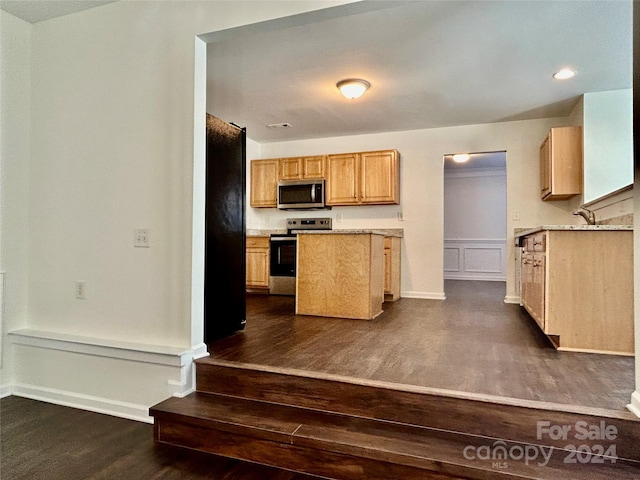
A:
[107,406]
[634,406]
[482,278]
[424,295]
[512,299]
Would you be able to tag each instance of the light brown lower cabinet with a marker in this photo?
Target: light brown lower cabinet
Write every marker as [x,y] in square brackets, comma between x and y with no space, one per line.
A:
[391,268]
[578,287]
[257,261]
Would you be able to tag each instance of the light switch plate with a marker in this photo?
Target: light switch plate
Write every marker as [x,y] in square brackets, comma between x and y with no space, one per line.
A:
[141,238]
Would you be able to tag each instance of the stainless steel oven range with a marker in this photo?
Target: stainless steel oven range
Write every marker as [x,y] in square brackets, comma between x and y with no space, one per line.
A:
[283,251]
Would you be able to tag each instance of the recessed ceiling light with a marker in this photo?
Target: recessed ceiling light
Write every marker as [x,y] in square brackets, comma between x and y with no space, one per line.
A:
[564,74]
[279,125]
[461,157]
[353,87]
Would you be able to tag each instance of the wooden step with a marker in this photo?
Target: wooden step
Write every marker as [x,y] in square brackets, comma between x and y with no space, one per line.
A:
[512,420]
[339,446]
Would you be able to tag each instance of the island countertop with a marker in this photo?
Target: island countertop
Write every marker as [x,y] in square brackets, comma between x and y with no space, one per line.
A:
[523,232]
[387,232]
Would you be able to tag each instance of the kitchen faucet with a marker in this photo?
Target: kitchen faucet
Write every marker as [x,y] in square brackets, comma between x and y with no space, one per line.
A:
[588,215]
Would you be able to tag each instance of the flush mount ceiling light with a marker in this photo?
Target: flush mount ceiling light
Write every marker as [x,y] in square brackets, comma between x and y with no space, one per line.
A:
[353,87]
[564,74]
[461,157]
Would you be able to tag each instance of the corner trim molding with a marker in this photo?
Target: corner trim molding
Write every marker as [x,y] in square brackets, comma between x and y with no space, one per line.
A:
[514,299]
[138,352]
[5,391]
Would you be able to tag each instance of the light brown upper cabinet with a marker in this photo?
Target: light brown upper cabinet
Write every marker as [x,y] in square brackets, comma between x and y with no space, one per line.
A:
[561,164]
[302,167]
[264,182]
[363,178]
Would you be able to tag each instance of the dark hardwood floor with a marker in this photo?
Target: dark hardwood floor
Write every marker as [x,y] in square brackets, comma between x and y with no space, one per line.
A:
[49,442]
[472,342]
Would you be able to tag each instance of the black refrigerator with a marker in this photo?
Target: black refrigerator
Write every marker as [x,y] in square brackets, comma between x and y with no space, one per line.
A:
[225,272]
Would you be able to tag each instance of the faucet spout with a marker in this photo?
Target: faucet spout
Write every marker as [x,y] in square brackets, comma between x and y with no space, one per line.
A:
[588,215]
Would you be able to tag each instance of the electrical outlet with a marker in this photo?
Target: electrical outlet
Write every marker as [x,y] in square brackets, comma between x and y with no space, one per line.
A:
[81,288]
[141,238]
[400,216]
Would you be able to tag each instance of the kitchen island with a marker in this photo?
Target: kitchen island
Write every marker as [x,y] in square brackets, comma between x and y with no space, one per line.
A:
[576,282]
[340,273]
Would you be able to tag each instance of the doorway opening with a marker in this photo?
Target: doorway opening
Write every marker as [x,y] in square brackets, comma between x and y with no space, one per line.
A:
[475,218]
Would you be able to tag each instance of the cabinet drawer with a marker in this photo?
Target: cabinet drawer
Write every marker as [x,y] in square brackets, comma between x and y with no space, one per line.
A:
[540,242]
[257,242]
[535,243]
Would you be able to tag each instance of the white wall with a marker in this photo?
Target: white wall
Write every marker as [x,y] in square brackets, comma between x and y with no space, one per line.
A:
[422,191]
[475,224]
[15,85]
[107,99]
[474,204]
[103,126]
[608,142]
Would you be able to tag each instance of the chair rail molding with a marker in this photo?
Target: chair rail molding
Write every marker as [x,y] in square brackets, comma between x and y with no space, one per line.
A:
[475,259]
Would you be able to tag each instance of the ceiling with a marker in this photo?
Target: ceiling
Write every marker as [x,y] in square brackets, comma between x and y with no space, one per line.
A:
[430,64]
[34,11]
[477,161]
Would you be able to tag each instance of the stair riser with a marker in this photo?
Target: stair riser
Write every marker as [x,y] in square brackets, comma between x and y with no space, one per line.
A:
[516,423]
[281,455]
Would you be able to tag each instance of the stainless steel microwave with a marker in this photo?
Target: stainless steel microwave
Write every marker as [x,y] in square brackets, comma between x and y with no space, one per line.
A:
[301,194]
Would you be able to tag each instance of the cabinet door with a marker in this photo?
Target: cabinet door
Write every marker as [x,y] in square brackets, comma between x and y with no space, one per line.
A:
[302,168]
[257,259]
[526,281]
[561,164]
[379,176]
[343,179]
[387,269]
[313,167]
[545,167]
[290,168]
[264,183]
[538,290]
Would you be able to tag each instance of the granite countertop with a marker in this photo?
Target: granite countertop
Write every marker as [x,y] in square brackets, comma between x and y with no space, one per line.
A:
[264,233]
[521,232]
[387,232]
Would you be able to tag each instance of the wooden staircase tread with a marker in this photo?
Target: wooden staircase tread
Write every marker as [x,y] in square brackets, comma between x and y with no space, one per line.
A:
[436,411]
[409,445]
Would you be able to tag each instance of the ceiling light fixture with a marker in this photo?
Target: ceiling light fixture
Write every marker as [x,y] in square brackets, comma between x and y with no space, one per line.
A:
[353,87]
[461,157]
[564,74]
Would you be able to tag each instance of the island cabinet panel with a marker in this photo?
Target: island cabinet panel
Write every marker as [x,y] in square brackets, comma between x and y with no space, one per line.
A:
[340,275]
[257,264]
[302,168]
[578,286]
[264,183]
[561,164]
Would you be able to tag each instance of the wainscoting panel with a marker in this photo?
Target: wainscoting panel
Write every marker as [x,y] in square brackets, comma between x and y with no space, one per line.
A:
[475,259]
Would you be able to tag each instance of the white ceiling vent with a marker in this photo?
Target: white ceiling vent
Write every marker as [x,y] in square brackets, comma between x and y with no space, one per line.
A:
[279,125]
